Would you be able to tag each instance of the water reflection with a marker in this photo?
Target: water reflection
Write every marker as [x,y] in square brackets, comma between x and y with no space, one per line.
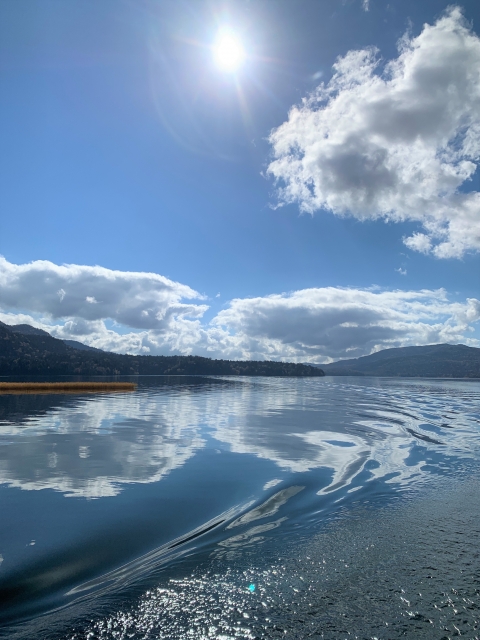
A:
[93,446]
[340,427]
[219,464]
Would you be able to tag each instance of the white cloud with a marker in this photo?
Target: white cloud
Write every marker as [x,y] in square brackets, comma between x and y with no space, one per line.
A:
[84,297]
[144,313]
[419,242]
[333,323]
[96,293]
[366,5]
[400,143]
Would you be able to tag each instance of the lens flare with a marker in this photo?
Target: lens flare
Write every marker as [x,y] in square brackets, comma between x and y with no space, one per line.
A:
[228,51]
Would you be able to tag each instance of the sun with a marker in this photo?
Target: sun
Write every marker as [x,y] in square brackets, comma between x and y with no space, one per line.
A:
[228,52]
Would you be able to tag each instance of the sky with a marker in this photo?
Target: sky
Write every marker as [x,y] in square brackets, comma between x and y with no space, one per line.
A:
[259,179]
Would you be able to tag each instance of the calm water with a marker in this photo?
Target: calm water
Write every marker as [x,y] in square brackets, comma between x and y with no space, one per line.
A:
[242,508]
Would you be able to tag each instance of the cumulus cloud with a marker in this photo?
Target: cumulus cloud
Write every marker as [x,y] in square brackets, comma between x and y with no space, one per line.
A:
[86,296]
[330,323]
[400,142]
[145,313]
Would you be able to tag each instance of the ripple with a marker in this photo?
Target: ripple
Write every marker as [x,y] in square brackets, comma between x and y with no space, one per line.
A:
[120,493]
[407,572]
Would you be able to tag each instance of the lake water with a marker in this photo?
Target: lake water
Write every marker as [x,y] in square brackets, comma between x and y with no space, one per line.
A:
[242,508]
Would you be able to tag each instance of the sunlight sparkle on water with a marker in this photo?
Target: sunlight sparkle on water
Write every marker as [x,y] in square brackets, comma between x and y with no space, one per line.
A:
[228,51]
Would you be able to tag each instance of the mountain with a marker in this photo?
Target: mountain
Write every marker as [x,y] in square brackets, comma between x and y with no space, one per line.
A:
[25,342]
[27,330]
[432,361]
[25,350]
[82,347]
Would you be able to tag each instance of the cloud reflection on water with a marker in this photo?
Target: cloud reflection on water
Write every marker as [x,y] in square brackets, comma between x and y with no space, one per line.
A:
[89,447]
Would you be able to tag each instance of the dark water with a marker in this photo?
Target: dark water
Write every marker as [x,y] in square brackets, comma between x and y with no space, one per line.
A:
[242,508]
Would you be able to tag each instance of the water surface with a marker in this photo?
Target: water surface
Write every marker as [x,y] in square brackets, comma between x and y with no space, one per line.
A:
[242,508]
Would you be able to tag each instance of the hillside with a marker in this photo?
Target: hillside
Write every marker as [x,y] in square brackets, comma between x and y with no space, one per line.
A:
[28,330]
[25,350]
[438,360]
[82,347]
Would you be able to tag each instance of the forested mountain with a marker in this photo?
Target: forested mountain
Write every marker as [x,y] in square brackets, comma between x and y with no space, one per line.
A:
[437,360]
[25,350]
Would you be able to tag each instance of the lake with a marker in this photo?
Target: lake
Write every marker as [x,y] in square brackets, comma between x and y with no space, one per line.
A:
[207,507]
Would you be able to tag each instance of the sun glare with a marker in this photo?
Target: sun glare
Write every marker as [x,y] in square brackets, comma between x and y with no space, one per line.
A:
[228,51]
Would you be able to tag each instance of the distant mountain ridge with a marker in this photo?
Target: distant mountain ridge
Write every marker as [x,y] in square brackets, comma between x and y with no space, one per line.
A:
[431,361]
[82,347]
[25,350]
[28,330]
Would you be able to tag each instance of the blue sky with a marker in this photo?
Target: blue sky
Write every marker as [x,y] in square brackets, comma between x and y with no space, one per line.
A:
[248,213]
